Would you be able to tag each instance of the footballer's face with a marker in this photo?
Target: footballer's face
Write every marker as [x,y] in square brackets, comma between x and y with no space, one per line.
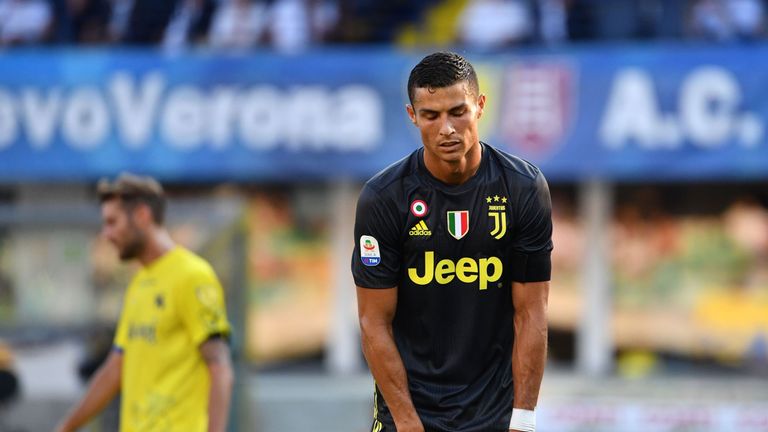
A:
[447,118]
[119,227]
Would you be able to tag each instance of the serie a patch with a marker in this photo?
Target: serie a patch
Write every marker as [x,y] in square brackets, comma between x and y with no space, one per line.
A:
[370,254]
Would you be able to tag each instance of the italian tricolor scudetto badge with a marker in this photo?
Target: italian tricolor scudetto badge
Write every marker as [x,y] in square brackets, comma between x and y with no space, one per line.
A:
[458,223]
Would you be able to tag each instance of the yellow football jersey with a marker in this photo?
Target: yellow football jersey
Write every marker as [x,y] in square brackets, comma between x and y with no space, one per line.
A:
[170,308]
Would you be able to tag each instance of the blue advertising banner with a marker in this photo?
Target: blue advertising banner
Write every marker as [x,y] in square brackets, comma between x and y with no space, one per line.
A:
[663,112]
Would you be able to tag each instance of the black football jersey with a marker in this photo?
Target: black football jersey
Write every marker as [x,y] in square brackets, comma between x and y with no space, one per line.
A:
[453,251]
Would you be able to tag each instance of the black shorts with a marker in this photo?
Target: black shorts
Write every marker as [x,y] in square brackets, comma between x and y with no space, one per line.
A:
[378,426]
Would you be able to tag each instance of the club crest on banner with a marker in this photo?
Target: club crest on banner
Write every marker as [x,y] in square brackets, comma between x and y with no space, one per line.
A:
[536,107]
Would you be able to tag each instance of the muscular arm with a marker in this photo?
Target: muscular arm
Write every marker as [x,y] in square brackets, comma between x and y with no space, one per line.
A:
[102,389]
[376,309]
[215,352]
[529,352]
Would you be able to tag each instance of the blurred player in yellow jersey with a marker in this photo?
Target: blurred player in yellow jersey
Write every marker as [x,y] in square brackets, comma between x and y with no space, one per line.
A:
[171,360]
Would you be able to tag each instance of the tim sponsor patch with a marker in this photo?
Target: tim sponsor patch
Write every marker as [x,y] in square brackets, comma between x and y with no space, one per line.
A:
[370,254]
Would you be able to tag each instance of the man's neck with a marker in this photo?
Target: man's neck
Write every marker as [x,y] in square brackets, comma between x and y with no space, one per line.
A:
[158,244]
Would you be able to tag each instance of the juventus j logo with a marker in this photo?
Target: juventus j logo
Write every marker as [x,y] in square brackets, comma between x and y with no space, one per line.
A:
[499,223]
[498,212]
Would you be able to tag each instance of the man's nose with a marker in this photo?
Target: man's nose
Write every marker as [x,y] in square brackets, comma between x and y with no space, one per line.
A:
[446,128]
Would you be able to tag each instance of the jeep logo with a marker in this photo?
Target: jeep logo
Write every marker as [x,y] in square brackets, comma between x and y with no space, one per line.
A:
[467,270]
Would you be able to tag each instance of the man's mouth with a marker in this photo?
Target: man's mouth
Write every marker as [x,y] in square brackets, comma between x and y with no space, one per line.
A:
[449,145]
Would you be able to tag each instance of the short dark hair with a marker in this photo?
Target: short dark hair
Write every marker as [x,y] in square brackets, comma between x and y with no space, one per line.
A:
[131,190]
[442,69]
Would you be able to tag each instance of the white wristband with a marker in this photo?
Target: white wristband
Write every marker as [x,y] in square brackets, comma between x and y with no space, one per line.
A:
[523,420]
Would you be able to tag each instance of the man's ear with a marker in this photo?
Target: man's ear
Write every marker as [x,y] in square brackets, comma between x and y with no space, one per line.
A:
[142,215]
[411,113]
[480,105]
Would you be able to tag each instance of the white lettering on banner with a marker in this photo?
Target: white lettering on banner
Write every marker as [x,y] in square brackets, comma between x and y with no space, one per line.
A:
[8,124]
[708,115]
[359,118]
[39,115]
[259,119]
[183,118]
[633,113]
[135,109]
[187,117]
[308,124]
[86,119]
[709,125]
[222,112]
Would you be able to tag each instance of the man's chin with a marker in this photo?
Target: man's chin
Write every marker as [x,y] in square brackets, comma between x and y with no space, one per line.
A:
[128,254]
[452,157]
[126,257]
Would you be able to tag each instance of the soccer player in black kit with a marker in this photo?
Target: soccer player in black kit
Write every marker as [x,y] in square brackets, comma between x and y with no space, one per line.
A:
[452,267]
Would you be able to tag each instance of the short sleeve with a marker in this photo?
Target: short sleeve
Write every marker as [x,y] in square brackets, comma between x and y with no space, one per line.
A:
[377,255]
[532,244]
[121,334]
[201,306]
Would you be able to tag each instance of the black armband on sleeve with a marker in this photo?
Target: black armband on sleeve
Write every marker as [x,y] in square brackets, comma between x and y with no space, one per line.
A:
[531,267]
[221,336]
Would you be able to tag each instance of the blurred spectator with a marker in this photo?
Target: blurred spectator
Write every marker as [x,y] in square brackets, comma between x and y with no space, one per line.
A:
[350,25]
[494,24]
[426,23]
[708,20]
[24,22]
[289,26]
[747,18]
[325,18]
[189,24]
[374,21]
[581,19]
[118,20]
[624,19]
[294,25]
[726,20]
[552,23]
[84,21]
[387,17]
[746,223]
[147,21]
[238,24]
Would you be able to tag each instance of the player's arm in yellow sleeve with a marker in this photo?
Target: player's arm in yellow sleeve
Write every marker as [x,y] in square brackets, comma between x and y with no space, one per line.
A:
[215,352]
[102,389]
[205,317]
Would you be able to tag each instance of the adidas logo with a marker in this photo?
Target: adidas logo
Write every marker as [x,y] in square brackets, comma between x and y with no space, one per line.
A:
[420,230]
